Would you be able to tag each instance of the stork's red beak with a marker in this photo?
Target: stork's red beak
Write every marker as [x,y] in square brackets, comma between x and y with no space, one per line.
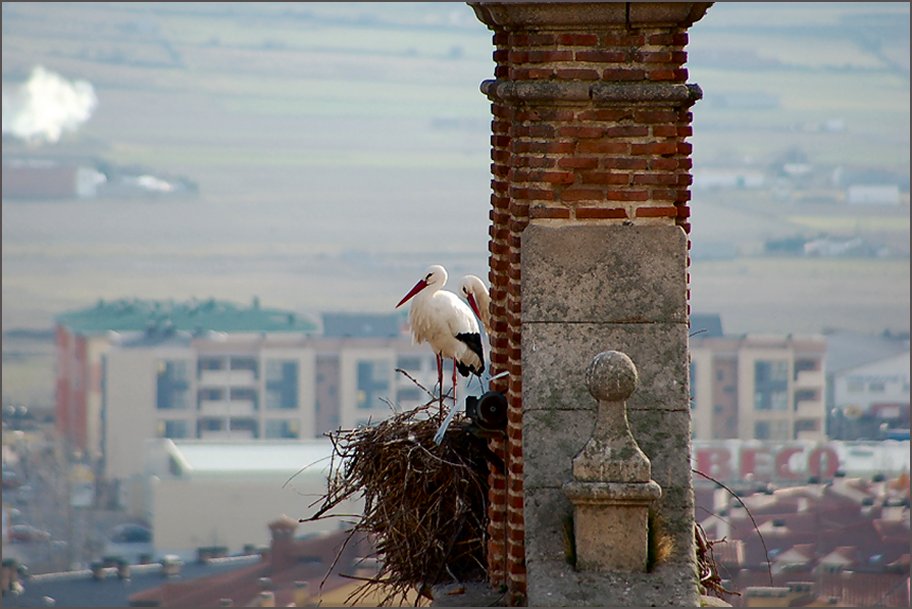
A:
[418,287]
[473,304]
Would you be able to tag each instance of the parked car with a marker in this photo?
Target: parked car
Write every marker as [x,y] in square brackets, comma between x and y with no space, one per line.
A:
[130,533]
[11,479]
[26,533]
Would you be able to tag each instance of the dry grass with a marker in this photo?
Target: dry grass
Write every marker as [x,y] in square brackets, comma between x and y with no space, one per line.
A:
[425,506]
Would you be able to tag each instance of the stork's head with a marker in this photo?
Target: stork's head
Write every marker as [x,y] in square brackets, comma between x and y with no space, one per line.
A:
[471,286]
[435,277]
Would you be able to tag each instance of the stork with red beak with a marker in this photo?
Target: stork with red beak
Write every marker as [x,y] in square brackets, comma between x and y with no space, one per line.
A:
[442,320]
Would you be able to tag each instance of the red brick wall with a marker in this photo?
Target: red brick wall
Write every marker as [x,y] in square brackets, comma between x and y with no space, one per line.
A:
[582,132]
[73,376]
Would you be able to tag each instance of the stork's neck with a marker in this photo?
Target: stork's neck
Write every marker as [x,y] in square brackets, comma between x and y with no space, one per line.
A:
[427,292]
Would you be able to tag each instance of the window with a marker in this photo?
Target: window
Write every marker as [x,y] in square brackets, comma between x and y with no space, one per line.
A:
[283,428]
[245,394]
[855,386]
[173,429]
[250,426]
[372,383]
[806,425]
[409,362]
[771,430]
[877,387]
[806,365]
[209,363]
[204,426]
[411,395]
[771,385]
[245,363]
[805,395]
[282,384]
[211,394]
[172,391]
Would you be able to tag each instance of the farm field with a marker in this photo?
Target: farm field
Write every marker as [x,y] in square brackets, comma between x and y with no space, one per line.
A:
[340,148]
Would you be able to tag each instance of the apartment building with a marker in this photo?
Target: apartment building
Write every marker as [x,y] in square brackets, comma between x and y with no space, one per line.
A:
[758,387]
[225,387]
[84,336]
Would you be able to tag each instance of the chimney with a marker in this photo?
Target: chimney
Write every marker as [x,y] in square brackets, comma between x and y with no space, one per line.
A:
[590,181]
[282,547]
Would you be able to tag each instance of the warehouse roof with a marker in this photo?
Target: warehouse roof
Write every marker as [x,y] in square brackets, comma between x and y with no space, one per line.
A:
[192,316]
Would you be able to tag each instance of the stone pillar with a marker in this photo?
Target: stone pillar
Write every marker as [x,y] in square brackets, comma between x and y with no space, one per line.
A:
[590,115]
[611,490]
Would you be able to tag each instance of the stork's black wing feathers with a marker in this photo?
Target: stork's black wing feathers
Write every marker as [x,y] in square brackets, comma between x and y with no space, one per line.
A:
[473,342]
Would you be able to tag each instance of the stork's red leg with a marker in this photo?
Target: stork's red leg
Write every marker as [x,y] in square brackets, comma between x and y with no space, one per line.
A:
[454,383]
[440,379]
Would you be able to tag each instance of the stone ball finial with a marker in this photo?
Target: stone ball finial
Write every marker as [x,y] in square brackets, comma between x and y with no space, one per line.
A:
[611,376]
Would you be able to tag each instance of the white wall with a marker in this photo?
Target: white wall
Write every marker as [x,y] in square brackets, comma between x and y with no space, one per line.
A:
[859,388]
[233,510]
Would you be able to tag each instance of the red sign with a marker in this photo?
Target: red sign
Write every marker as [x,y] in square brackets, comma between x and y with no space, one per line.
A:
[766,463]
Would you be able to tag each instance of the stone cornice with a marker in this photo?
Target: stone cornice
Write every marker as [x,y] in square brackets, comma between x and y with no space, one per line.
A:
[549,91]
[587,15]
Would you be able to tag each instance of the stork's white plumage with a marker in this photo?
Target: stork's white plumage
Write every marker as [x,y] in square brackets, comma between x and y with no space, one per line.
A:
[447,324]
[476,294]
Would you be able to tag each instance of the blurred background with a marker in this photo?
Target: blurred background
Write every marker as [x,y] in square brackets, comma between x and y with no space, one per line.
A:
[316,157]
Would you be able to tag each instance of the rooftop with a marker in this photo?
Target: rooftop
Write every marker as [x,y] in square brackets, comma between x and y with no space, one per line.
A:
[192,316]
[374,325]
[289,457]
[79,589]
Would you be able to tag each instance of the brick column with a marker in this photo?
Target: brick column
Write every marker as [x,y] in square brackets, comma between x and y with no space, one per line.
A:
[590,116]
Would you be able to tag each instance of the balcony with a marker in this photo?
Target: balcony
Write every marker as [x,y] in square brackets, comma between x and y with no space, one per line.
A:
[234,434]
[223,408]
[227,378]
[809,409]
[810,435]
[809,379]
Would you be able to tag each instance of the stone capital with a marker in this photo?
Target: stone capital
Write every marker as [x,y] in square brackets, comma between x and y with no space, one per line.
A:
[588,16]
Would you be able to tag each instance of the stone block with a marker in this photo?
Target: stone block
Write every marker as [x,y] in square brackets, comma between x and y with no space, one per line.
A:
[553,583]
[658,350]
[551,438]
[665,439]
[604,274]
[547,513]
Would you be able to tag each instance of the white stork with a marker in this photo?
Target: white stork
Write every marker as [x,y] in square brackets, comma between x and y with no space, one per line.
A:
[476,294]
[439,318]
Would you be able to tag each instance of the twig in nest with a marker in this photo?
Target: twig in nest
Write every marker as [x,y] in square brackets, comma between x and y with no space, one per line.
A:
[425,506]
[769,567]
[706,563]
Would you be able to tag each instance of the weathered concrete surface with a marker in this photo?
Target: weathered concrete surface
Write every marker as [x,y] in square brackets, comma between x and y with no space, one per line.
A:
[559,585]
[588,289]
[467,594]
[604,274]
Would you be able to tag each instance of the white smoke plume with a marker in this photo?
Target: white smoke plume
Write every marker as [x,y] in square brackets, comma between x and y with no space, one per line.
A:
[47,104]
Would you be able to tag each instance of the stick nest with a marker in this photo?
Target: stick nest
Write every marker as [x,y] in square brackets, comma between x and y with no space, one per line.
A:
[425,506]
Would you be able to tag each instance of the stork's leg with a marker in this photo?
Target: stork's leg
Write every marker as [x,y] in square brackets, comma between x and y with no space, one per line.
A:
[454,383]
[440,378]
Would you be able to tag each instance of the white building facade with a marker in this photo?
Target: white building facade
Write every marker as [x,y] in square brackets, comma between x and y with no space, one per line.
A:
[872,400]
[254,387]
[758,387]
